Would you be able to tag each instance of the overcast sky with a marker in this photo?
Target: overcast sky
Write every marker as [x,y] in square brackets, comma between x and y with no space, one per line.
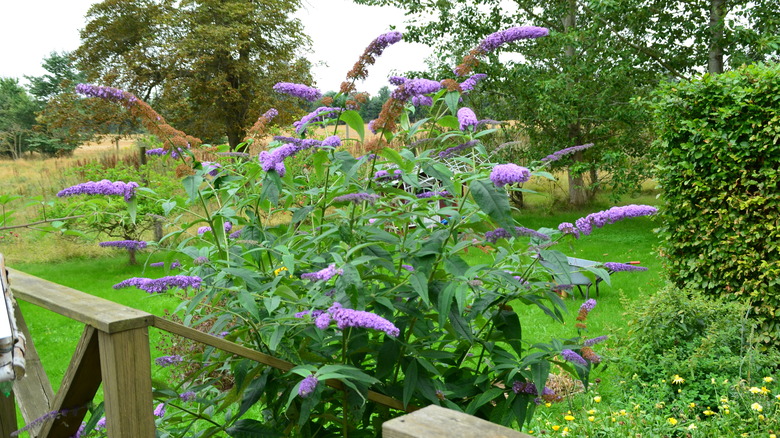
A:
[339,29]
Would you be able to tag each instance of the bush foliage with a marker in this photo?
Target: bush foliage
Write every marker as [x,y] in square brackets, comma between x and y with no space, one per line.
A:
[718,150]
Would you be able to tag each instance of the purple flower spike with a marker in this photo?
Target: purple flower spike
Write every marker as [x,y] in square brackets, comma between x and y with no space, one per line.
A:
[357,198]
[308,385]
[160,285]
[397,80]
[101,424]
[159,411]
[298,90]
[569,228]
[467,118]
[323,274]
[166,361]
[451,151]
[469,83]
[555,156]
[573,357]
[409,268]
[422,101]
[126,244]
[104,187]
[211,167]
[187,396]
[332,141]
[204,229]
[587,306]
[322,321]
[621,267]
[614,214]
[593,341]
[156,151]
[358,318]
[495,40]
[500,233]
[415,87]
[157,264]
[320,114]
[504,174]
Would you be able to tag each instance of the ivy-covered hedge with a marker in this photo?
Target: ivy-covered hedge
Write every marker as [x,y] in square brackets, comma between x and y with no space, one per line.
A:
[718,155]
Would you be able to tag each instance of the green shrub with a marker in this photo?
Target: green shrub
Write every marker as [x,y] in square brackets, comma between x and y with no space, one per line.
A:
[718,147]
[680,342]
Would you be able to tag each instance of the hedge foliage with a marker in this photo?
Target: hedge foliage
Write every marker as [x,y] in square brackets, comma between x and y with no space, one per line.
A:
[718,156]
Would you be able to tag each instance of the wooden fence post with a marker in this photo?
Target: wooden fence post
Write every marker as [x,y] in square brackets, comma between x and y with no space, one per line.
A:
[438,422]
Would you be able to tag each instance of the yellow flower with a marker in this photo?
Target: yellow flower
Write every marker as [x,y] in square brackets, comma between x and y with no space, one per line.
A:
[547,405]
[724,400]
[569,418]
[280,270]
[597,399]
[659,405]
[754,390]
[530,431]
[764,390]
[592,412]
[726,411]
[677,380]
[591,418]
[761,417]
[692,404]
[745,434]
[672,421]
[771,435]
[709,412]
[623,412]
[692,426]
[614,419]
[768,379]
[777,396]
[757,407]
[556,427]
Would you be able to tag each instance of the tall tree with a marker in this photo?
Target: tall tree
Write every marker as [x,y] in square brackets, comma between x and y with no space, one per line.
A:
[208,64]
[17,118]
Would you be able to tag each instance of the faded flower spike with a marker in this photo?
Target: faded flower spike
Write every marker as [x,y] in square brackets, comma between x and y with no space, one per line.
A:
[504,174]
[308,385]
[103,187]
[555,156]
[618,267]
[298,90]
[357,198]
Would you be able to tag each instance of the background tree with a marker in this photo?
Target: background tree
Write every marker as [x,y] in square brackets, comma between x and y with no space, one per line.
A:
[17,118]
[577,86]
[208,66]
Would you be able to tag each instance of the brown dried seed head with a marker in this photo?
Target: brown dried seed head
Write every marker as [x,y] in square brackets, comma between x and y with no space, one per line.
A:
[451,85]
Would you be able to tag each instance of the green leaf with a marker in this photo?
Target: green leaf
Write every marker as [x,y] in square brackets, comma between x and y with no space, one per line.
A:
[493,203]
[451,99]
[132,208]
[353,120]
[483,398]
[252,394]
[419,282]
[302,213]
[248,428]
[191,186]
[449,122]
[539,372]
[410,382]
[509,324]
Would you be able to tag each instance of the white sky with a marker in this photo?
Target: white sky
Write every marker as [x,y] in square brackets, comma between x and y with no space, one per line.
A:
[340,30]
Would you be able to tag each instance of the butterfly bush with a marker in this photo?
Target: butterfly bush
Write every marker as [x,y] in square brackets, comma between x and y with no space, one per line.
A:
[354,266]
[126,244]
[103,187]
[298,90]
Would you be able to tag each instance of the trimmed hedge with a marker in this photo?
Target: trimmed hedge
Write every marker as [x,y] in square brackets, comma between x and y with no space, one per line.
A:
[718,152]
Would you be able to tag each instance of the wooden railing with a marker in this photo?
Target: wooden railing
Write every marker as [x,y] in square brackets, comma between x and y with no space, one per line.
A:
[114,350]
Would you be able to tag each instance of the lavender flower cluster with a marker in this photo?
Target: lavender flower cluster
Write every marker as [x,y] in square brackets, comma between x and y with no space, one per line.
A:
[318,115]
[103,187]
[357,318]
[585,224]
[530,388]
[383,175]
[166,361]
[211,167]
[156,151]
[593,341]
[503,174]
[308,385]
[107,93]
[471,82]
[623,267]
[415,87]
[501,233]
[426,195]
[126,244]
[453,150]
[160,285]
[495,40]
[357,198]
[381,42]
[298,90]
[466,118]
[397,80]
[205,229]
[573,357]
[422,101]
[323,274]
[555,156]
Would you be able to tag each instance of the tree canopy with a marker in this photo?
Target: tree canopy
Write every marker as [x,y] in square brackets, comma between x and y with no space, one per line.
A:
[208,65]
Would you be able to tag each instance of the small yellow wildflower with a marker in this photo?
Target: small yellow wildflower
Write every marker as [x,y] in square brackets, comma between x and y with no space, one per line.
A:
[725,381]
[613,419]
[757,407]
[764,390]
[768,379]
[623,412]
[771,435]
[530,431]
[637,407]
[569,418]
[709,412]
[565,432]
[777,396]
[592,412]
[692,426]
[761,417]
[726,411]
[745,434]
[672,421]
[712,380]
[280,270]
[754,390]
[597,399]
[692,404]
[591,418]
[724,400]
[677,380]
[659,405]
[547,405]
[556,427]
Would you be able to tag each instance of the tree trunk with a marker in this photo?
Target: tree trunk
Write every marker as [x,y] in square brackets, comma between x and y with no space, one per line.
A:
[578,195]
[717,16]
[131,255]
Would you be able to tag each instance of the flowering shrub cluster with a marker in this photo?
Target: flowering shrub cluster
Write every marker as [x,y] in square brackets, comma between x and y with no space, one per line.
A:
[380,249]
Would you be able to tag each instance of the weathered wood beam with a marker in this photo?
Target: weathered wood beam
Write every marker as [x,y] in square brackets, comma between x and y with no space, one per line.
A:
[438,422]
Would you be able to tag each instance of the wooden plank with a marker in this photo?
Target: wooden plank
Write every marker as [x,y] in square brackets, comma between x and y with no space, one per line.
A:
[7,415]
[265,359]
[104,315]
[78,388]
[35,395]
[438,422]
[127,383]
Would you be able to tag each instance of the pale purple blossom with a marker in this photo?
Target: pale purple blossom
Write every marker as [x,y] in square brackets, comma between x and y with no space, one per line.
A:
[166,361]
[307,386]
[422,101]
[397,80]
[211,167]
[409,268]
[585,224]
[332,141]
[451,151]
[101,424]
[156,151]
[107,93]
[415,87]
[623,267]
[469,83]
[322,321]
[501,233]
[159,411]
[320,114]
[383,175]
[187,396]
[200,260]
[372,126]
[573,357]
[126,244]
[160,285]
[358,318]
[466,118]
[104,187]
[593,341]
[503,174]
[495,40]
[157,264]
[357,198]
[587,306]
[235,234]
[569,228]
[298,90]
[426,195]
[555,156]
[381,42]
[323,274]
